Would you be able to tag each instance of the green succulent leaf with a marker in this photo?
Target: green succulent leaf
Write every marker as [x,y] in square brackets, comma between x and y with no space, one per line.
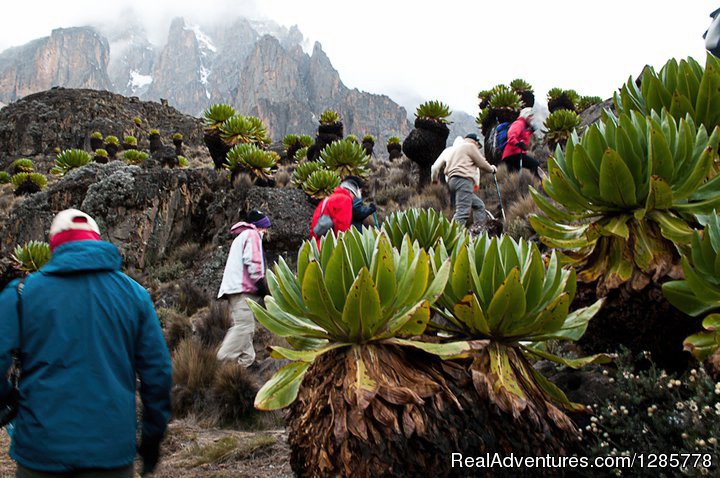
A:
[282,389]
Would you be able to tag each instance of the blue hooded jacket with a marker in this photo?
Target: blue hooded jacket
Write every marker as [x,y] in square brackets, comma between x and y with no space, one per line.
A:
[87,331]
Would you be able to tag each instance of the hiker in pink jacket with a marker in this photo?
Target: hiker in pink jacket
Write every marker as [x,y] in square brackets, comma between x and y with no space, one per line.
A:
[243,280]
[515,153]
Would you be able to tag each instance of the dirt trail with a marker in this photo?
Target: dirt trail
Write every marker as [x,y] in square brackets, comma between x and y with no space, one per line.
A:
[191,451]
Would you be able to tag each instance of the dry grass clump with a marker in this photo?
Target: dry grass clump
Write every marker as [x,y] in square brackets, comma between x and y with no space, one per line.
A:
[283,178]
[232,394]
[212,327]
[228,448]
[177,328]
[399,194]
[191,298]
[522,209]
[194,366]
[425,200]
[187,253]
[243,181]
[514,186]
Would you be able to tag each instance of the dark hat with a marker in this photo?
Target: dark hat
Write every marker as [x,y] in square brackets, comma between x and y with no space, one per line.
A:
[356,180]
[472,136]
[258,219]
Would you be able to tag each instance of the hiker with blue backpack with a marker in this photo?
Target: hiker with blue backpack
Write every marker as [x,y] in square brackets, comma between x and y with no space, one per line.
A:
[515,155]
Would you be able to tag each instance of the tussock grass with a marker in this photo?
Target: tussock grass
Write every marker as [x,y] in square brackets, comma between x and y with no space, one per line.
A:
[211,328]
[194,367]
[191,297]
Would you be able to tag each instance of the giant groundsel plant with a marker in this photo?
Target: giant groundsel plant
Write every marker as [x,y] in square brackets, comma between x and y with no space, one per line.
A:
[626,197]
[504,293]
[354,291]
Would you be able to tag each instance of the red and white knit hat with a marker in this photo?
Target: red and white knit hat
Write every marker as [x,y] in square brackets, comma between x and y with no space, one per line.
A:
[72,225]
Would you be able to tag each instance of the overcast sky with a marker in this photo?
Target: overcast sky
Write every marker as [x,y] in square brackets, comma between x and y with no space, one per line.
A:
[415,51]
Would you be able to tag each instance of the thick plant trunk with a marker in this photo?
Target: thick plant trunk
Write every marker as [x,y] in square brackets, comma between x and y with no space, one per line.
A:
[368,146]
[155,143]
[424,144]
[560,103]
[640,321]
[112,150]
[321,141]
[217,148]
[96,143]
[395,150]
[423,411]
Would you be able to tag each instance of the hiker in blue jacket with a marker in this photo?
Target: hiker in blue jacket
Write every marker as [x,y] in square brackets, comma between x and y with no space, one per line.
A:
[86,332]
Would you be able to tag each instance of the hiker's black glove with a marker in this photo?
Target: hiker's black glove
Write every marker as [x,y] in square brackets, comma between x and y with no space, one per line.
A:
[261,287]
[149,451]
[9,407]
[522,145]
[372,207]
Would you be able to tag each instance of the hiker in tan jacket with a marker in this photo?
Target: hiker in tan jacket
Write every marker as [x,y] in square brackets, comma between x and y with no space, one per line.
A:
[461,167]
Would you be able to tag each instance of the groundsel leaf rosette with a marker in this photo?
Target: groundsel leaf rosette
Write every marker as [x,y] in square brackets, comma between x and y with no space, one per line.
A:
[506,299]
[355,291]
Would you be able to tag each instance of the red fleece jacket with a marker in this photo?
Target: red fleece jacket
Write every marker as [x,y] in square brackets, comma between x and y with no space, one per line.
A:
[519,131]
[338,207]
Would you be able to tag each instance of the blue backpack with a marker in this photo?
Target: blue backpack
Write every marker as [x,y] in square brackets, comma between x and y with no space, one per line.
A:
[496,141]
[501,137]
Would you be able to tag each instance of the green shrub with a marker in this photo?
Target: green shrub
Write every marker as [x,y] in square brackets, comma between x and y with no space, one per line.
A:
[70,159]
[133,156]
[31,256]
[22,165]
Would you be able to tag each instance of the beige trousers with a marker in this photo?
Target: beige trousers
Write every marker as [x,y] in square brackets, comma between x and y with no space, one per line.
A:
[238,342]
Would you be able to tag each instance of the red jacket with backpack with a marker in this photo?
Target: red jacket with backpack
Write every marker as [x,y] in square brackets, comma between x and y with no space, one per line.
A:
[519,131]
[339,207]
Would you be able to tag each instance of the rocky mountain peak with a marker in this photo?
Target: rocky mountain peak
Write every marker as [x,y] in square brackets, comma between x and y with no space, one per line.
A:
[258,67]
[75,57]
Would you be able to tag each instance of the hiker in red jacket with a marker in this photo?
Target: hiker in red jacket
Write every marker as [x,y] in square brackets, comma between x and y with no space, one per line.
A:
[515,153]
[338,207]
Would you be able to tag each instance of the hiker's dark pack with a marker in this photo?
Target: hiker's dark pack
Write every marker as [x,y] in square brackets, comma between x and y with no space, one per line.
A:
[498,140]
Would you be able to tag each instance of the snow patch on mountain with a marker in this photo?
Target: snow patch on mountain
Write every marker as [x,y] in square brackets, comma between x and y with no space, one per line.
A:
[204,40]
[138,81]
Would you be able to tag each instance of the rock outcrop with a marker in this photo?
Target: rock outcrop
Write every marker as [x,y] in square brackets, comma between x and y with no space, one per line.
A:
[69,57]
[66,118]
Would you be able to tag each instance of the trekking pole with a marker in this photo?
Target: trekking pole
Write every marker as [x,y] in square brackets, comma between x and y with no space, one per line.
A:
[497,188]
[377,224]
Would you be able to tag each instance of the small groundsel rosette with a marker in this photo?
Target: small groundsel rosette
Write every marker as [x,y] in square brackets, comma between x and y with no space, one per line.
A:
[345,158]
[426,226]
[31,256]
[252,159]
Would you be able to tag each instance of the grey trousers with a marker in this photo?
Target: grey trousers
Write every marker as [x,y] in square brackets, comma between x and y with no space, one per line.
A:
[466,200]
[238,342]
[126,472]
